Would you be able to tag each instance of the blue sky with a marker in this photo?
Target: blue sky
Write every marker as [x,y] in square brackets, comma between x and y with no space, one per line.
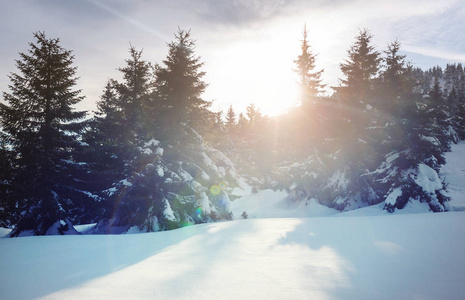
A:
[248,46]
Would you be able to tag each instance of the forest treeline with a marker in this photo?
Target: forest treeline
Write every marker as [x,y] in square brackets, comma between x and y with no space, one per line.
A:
[155,157]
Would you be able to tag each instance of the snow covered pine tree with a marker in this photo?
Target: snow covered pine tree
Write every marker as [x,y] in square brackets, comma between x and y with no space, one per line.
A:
[41,129]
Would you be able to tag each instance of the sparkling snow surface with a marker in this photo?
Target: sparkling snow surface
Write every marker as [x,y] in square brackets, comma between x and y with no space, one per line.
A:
[311,252]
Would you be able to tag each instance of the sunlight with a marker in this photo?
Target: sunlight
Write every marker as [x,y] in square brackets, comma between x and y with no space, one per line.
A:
[260,71]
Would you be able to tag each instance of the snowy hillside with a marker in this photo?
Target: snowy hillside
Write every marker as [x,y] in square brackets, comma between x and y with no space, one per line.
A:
[454,174]
[279,252]
[391,257]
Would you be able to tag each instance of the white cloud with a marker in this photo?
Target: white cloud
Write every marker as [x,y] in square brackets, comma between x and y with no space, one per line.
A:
[248,46]
[437,53]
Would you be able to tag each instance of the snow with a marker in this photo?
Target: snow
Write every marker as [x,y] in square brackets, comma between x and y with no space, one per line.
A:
[454,174]
[282,251]
[208,161]
[160,171]
[159,151]
[125,182]
[431,140]
[392,157]
[4,232]
[222,171]
[393,195]
[428,179]
[90,195]
[152,142]
[338,180]
[70,162]
[204,203]
[270,204]
[55,228]
[185,175]
[385,257]
[168,212]
[146,151]
[111,191]
[84,228]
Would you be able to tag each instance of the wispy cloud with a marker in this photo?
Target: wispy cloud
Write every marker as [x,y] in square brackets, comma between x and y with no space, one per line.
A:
[126,17]
[248,45]
[437,53]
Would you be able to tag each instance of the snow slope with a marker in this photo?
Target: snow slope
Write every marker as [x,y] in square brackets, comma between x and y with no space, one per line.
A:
[454,174]
[418,256]
[313,253]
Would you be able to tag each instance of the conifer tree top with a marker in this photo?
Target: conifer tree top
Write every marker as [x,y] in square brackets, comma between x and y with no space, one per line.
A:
[309,79]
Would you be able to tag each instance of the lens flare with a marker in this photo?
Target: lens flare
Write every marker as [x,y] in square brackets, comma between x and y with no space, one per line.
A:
[223,185]
[215,189]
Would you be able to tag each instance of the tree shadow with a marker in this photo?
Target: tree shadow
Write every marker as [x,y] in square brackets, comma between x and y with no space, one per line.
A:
[33,267]
[383,257]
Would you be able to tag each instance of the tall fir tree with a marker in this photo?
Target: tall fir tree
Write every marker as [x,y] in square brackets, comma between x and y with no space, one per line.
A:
[180,86]
[460,113]
[42,128]
[7,206]
[441,118]
[353,151]
[311,88]
[359,69]
[158,168]
[411,154]
[394,82]
[231,120]
[310,81]
[121,127]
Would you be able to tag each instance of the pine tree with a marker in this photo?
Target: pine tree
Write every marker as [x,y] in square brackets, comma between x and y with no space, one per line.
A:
[356,117]
[179,84]
[7,208]
[241,123]
[41,127]
[254,115]
[440,116]
[124,113]
[122,126]
[360,69]
[411,151]
[460,113]
[309,79]
[157,169]
[231,120]
[311,88]
[394,81]
[410,171]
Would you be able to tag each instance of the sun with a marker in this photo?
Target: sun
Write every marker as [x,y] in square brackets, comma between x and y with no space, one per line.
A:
[257,71]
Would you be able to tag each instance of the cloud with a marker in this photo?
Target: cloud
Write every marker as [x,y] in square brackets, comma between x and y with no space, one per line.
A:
[437,53]
[238,12]
[240,41]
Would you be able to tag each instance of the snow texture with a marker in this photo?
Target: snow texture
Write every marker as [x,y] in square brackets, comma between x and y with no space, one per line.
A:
[428,179]
[393,195]
[356,257]
[454,174]
[160,171]
[168,212]
[204,203]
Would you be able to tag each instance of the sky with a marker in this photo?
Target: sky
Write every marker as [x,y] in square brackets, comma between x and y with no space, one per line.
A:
[248,46]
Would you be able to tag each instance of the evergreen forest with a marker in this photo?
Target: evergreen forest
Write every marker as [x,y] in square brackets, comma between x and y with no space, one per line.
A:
[154,156]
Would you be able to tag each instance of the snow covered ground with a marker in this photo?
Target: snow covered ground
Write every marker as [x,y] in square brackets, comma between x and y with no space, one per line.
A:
[454,174]
[278,253]
[417,256]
